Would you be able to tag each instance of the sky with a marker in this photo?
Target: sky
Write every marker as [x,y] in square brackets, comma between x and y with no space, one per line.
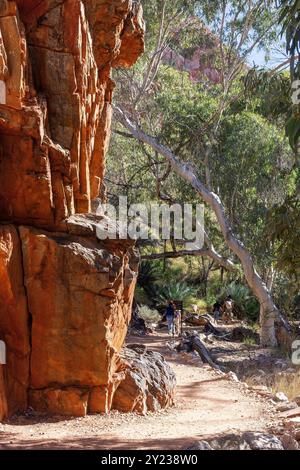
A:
[276,57]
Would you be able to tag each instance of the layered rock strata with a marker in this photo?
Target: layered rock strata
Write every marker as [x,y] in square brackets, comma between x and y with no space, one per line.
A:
[65,296]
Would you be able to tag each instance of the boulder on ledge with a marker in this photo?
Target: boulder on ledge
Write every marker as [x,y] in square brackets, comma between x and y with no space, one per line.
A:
[147,382]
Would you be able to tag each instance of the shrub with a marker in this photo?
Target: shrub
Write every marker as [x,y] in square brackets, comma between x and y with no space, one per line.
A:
[176,291]
[245,304]
[288,384]
[150,315]
[147,278]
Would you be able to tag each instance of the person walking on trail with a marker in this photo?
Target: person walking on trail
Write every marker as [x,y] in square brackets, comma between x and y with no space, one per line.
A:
[228,309]
[217,310]
[170,315]
[177,321]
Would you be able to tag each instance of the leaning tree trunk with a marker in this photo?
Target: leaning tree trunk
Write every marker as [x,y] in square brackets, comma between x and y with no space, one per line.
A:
[269,313]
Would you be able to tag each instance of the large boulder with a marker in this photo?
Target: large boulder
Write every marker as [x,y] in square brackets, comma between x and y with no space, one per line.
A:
[65,308]
[146,381]
[77,290]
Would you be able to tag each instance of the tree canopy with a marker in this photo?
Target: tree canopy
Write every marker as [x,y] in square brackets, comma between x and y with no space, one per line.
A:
[196,92]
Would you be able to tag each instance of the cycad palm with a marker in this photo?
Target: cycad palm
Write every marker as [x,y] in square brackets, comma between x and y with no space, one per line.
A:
[176,291]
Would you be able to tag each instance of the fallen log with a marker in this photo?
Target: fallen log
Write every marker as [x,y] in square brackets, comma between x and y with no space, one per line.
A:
[200,348]
[206,321]
[195,320]
[210,328]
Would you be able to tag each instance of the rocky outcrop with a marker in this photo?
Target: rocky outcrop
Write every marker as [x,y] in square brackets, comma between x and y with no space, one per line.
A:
[65,295]
[14,319]
[146,381]
[201,62]
[246,441]
[83,285]
[55,106]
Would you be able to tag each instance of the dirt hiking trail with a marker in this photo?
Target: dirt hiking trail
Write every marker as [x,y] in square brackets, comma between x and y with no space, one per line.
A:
[207,404]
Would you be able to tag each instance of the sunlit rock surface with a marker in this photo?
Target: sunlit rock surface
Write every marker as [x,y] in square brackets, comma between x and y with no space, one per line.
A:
[65,296]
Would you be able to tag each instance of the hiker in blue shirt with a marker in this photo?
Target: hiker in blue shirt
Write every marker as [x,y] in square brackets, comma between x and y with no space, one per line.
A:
[170,315]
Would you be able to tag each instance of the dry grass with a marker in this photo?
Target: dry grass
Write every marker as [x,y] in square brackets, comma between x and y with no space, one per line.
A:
[289,384]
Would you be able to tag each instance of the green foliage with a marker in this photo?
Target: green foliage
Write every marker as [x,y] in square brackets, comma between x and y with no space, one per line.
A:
[250,341]
[290,20]
[141,296]
[287,294]
[245,304]
[175,291]
[239,14]
[283,229]
[253,172]
[292,129]
[148,277]
[253,169]
[269,92]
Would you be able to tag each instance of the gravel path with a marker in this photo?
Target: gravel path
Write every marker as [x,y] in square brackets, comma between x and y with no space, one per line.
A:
[207,404]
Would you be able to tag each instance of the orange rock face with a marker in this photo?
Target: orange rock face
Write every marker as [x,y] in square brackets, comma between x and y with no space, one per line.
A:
[65,297]
[55,101]
[14,319]
[69,276]
[3,399]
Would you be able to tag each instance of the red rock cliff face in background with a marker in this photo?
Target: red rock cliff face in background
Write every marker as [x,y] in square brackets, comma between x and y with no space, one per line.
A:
[65,297]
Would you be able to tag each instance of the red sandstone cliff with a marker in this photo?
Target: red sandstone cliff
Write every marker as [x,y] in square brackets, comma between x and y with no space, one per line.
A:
[65,297]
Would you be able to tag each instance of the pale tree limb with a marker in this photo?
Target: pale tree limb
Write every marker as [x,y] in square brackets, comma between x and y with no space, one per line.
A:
[269,311]
[207,252]
[175,254]
[210,250]
[219,259]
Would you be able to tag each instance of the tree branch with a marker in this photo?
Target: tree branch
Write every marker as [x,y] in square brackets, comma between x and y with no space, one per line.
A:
[175,254]
[207,252]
